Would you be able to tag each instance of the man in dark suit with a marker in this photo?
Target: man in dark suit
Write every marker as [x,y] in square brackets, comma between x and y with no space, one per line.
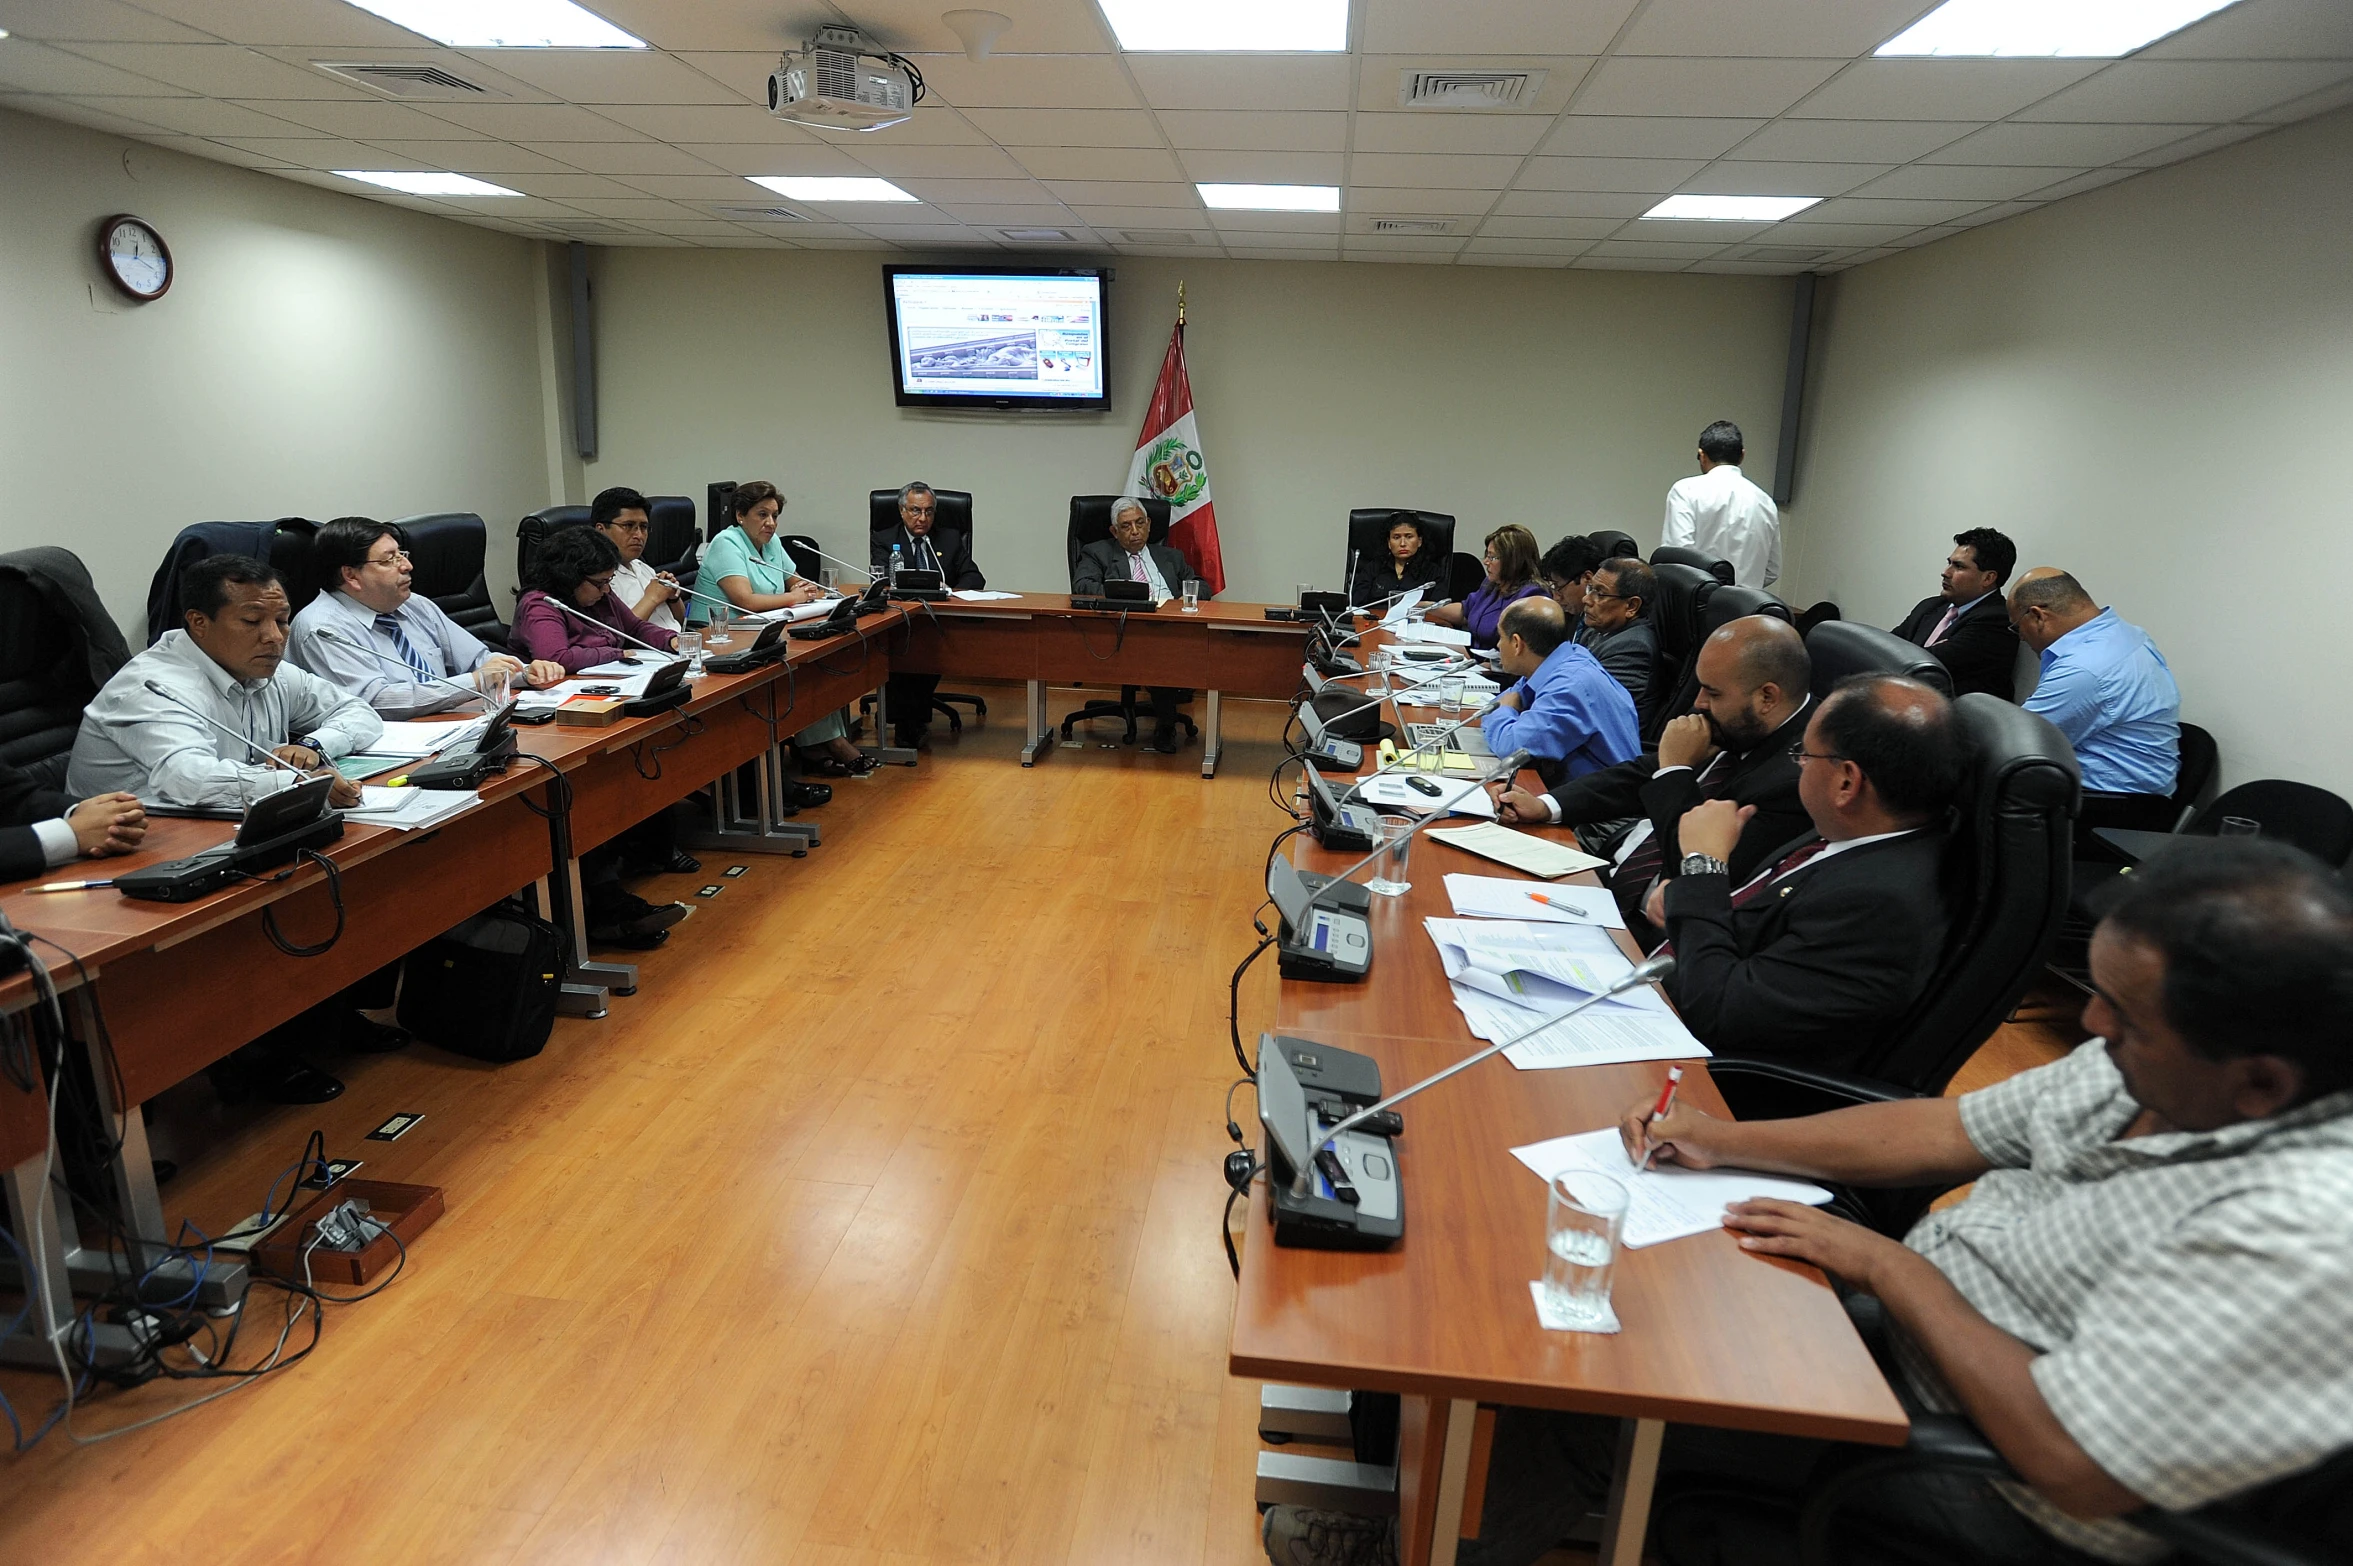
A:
[41,829]
[1126,556]
[923,545]
[1616,630]
[1734,745]
[1967,625]
[1817,955]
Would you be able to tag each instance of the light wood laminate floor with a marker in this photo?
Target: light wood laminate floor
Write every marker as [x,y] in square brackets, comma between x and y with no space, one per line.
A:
[879,1227]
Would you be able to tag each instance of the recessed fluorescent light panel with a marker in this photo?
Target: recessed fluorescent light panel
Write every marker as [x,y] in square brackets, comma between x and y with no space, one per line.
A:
[1731,209]
[1271,198]
[2045,29]
[427,184]
[1230,26]
[503,24]
[831,188]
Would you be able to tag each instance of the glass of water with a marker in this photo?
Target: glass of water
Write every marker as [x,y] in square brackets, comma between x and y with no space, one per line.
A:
[829,578]
[2239,826]
[722,615]
[1450,689]
[1388,878]
[690,647]
[1584,1219]
[1192,595]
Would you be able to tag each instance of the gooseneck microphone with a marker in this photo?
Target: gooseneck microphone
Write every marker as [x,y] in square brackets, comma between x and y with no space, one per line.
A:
[246,740]
[864,571]
[605,626]
[1645,972]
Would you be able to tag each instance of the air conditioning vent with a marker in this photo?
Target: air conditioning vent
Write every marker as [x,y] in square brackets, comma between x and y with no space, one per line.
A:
[1413,225]
[1786,254]
[1036,236]
[1157,236]
[743,214]
[397,79]
[1459,89]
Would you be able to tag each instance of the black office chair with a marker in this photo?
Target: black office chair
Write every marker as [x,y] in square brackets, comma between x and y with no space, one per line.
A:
[803,549]
[2313,819]
[717,518]
[2007,874]
[284,544]
[1676,554]
[1464,573]
[673,537]
[50,663]
[953,510]
[1090,521]
[1839,648]
[1719,608]
[1678,599]
[1368,538]
[1614,544]
[2193,779]
[533,530]
[447,550]
[1808,619]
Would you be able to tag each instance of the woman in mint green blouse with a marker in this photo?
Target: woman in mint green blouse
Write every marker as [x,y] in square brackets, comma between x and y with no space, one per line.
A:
[748,567]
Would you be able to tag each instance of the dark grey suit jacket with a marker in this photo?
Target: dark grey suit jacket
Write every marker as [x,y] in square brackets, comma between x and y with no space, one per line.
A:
[1103,560]
[1627,654]
[23,801]
[954,550]
[1982,652]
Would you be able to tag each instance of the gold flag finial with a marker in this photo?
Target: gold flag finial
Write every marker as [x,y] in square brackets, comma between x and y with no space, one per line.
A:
[1180,301]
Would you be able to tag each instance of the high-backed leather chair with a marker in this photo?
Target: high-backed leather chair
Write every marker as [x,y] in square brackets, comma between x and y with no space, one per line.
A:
[1840,648]
[1676,554]
[2193,779]
[1464,573]
[1090,522]
[534,529]
[447,550]
[1677,603]
[1368,535]
[52,660]
[674,539]
[952,509]
[1614,544]
[1720,608]
[284,544]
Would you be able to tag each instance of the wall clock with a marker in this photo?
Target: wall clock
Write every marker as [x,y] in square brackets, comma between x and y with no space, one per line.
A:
[135,257]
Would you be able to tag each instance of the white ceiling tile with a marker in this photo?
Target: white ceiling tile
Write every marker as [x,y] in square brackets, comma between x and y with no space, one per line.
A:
[534,124]
[1004,192]
[218,70]
[1599,263]
[1039,27]
[1382,77]
[1505,244]
[729,188]
[896,162]
[1031,81]
[2310,104]
[1473,171]
[266,22]
[1280,239]
[745,123]
[1942,89]
[1246,130]
[2153,90]
[1858,209]
[933,126]
[1117,217]
[816,242]
[630,157]
[1089,193]
[706,24]
[697,228]
[646,208]
[1993,214]
[1263,168]
[2263,30]
[1749,268]
[1825,29]
[1679,234]
[1549,228]
[807,158]
[2020,144]
[1850,141]
[1427,244]
[924,233]
[1067,127]
[1960,182]
[89,112]
[1659,175]
[1701,88]
[1425,132]
[26,66]
[1646,136]
[1492,26]
[196,116]
[1355,255]
[359,121]
[1655,250]
[323,152]
[1325,253]
[1006,215]
[1098,163]
[1394,202]
[593,76]
[2195,146]
[480,156]
[108,21]
[1820,234]
[218,151]
[1784,179]
[563,187]
[2081,183]
[1574,203]
[1324,223]
[1472,256]
[746,73]
[1232,81]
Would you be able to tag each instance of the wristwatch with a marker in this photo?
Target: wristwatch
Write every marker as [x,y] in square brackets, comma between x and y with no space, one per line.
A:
[1704,864]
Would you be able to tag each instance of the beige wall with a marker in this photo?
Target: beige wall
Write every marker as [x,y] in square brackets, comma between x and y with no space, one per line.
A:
[2149,385]
[318,355]
[1568,400]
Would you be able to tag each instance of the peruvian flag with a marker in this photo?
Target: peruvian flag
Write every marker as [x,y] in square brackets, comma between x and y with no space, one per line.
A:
[1168,464]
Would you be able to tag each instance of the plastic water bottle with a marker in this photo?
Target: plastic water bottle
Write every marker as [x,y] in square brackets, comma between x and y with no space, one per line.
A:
[898,559]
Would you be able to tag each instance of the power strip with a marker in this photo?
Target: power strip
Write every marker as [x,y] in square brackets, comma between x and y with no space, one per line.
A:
[243,1236]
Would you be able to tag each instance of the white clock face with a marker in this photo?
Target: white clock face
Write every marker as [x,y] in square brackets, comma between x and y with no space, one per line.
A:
[138,258]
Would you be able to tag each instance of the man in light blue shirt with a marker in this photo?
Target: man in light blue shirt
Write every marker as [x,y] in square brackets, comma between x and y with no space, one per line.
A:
[2106,687]
[1566,709]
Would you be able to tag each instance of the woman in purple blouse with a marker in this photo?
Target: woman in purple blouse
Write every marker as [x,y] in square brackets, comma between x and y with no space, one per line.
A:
[574,566]
[1511,574]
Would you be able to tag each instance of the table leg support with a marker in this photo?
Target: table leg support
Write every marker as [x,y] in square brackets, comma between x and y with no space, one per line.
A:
[1628,1518]
[888,755]
[1211,737]
[616,978]
[1040,728]
[1454,1469]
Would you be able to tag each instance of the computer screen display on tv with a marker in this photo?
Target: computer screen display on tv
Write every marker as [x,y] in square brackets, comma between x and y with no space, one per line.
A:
[997,337]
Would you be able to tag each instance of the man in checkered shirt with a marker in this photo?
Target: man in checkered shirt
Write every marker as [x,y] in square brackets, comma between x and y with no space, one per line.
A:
[2146,1300]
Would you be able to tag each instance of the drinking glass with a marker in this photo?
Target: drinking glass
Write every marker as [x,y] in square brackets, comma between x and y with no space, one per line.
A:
[1396,847]
[1300,591]
[1450,688]
[722,617]
[829,578]
[2239,826]
[1584,1218]
[1192,595]
[690,647]
[501,688]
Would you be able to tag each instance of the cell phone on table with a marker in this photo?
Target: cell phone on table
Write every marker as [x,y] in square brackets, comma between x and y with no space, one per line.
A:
[600,690]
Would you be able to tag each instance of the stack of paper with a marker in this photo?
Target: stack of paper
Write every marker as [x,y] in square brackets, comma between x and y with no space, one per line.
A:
[422,738]
[410,808]
[794,615]
[1509,975]
[978,595]
[1455,796]
[1436,635]
[1521,851]
[624,685]
[1493,897]
[1666,1202]
[1400,611]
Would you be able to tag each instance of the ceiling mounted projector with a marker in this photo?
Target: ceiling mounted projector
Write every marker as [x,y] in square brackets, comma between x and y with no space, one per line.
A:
[842,81]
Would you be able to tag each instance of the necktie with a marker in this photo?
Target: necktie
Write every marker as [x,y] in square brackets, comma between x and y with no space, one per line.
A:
[1789,861]
[389,624]
[1136,571]
[1944,627]
[1643,865]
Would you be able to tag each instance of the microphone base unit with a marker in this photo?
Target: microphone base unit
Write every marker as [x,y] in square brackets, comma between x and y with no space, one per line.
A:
[1114,605]
[1344,754]
[201,875]
[1349,830]
[920,595]
[656,702]
[465,769]
[1356,1198]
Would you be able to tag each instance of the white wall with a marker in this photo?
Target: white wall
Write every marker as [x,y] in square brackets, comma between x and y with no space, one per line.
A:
[2150,385]
[318,355]
[1566,400]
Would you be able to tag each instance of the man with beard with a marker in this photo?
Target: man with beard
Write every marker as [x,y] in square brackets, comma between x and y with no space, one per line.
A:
[1734,745]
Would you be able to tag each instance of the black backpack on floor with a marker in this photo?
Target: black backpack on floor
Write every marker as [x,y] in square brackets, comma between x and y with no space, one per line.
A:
[487,988]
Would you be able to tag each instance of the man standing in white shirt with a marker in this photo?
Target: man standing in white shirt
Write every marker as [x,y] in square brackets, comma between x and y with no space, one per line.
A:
[1719,512]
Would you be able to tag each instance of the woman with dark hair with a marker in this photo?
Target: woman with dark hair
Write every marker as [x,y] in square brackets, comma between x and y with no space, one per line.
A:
[575,567]
[1407,563]
[1511,562]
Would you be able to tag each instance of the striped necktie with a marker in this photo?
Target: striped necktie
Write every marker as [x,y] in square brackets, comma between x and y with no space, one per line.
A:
[389,624]
[1944,627]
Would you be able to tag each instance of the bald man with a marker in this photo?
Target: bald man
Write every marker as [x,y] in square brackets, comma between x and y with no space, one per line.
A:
[2106,687]
[1817,956]
[1563,707]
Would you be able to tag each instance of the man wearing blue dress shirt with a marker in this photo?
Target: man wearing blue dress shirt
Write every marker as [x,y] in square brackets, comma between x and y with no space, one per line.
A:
[2106,687]
[1565,709]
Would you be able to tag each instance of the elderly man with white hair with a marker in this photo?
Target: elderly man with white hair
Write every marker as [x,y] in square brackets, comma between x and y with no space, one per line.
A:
[1129,556]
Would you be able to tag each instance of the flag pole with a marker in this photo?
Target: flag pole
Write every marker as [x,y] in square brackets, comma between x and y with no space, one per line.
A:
[1180,301]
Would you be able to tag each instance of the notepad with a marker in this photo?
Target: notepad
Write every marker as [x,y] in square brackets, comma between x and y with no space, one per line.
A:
[1667,1202]
[1521,851]
[1494,897]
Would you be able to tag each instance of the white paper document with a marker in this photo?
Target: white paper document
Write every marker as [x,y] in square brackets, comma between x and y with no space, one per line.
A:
[1520,850]
[796,614]
[624,685]
[1400,611]
[424,737]
[410,808]
[1494,897]
[1456,796]
[979,595]
[1667,1202]
[1435,635]
[1507,976]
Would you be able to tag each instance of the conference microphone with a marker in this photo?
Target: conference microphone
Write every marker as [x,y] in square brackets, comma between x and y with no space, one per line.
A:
[1648,971]
[246,740]
[866,571]
[1502,769]
[1349,586]
[603,626]
[1413,756]
[329,634]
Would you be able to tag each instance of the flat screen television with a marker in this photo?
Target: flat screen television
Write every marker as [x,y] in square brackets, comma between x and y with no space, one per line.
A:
[998,336]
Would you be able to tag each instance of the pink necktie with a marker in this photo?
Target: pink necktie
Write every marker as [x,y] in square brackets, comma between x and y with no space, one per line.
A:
[1944,626]
[1136,571]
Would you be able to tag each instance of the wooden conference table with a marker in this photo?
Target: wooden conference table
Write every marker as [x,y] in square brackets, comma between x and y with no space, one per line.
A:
[1711,1335]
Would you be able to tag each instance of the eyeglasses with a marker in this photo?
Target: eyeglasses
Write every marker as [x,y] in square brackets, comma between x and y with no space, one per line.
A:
[393,558]
[1799,754]
[1595,592]
[630,527]
[603,579]
[918,511]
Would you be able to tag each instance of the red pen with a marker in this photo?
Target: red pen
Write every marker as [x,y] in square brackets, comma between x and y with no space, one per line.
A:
[1658,1112]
